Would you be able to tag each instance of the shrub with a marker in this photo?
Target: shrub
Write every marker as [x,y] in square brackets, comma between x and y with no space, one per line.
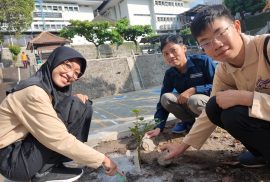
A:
[15,51]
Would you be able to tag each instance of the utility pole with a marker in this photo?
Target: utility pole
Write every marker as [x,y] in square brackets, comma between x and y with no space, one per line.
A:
[42,13]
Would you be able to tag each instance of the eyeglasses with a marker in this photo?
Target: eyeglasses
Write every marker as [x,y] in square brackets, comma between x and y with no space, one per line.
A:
[67,66]
[221,36]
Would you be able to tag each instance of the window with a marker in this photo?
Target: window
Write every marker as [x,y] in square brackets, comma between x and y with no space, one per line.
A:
[76,9]
[37,7]
[70,8]
[49,7]
[53,26]
[36,27]
[156,3]
[60,8]
[66,8]
[44,7]
[55,8]
[58,26]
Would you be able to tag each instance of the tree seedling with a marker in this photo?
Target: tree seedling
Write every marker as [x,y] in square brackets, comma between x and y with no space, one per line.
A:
[141,126]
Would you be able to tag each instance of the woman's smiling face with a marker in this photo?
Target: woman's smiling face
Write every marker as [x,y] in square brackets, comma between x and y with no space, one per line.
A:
[66,73]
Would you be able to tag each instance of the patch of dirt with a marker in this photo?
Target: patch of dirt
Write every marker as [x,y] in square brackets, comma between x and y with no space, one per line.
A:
[215,161]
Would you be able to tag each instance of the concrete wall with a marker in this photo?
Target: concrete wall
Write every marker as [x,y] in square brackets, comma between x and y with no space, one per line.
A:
[151,68]
[110,76]
[105,51]
[105,77]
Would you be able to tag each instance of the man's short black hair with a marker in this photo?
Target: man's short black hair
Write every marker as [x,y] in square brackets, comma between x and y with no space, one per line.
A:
[207,16]
[177,39]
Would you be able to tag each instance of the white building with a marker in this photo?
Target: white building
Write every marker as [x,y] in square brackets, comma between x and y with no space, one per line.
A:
[212,2]
[53,15]
[162,15]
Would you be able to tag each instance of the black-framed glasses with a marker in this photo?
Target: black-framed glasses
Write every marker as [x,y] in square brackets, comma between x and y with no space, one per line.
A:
[67,66]
[221,36]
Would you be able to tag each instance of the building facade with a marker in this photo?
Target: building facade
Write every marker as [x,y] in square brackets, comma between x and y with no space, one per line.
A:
[162,15]
[212,2]
[53,15]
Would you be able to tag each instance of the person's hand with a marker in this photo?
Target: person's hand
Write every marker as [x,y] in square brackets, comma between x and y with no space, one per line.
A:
[83,98]
[109,166]
[184,96]
[153,133]
[230,98]
[174,150]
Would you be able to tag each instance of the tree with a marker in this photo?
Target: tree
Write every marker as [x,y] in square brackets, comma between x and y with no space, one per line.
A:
[67,32]
[244,6]
[97,33]
[131,33]
[187,37]
[16,15]
[15,51]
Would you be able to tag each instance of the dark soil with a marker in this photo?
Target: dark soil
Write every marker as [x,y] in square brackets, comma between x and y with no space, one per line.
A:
[216,161]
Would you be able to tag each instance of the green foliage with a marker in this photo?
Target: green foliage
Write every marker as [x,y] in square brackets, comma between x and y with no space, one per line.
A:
[243,6]
[15,51]
[97,33]
[257,21]
[140,127]
[16,15]
[131,33]
[67,33]
[186,31]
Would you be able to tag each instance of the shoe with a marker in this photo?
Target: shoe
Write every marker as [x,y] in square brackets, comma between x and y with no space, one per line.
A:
[180,128]
[247,159]
[58,174]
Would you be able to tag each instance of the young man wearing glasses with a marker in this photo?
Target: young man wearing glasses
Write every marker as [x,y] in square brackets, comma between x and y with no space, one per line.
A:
[240,94]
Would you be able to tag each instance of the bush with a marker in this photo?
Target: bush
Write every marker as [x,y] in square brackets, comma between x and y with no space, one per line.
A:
[15,50]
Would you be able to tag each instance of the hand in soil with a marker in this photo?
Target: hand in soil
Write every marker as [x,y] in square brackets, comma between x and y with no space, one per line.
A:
[109,166]
[174,150]
[153,133]
[162,161]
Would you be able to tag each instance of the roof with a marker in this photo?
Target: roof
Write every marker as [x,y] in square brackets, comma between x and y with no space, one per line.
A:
[46,39]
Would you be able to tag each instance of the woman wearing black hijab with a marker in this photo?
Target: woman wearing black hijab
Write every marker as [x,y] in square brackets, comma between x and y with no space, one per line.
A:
[42,125]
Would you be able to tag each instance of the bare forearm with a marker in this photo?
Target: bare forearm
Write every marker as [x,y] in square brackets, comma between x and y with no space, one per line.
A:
[245,98]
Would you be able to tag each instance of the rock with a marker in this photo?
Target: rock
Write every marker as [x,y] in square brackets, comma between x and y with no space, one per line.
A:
[148,144]
[162,161]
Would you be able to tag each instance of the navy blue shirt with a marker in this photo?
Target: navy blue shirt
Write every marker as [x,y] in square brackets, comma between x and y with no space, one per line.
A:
[200,73]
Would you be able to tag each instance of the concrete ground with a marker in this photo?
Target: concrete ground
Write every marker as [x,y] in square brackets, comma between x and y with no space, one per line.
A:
[117,110]
[113,115]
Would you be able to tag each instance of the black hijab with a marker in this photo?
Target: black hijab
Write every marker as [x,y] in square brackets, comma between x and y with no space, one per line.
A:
[43,77]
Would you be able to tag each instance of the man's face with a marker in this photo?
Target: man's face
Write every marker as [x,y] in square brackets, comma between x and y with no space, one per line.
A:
[222,40]
[174,54]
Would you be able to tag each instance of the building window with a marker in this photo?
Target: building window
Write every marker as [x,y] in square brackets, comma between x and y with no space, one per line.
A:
[60,8]
[66,8]
[76,9]
[53,26]
[36,27]
[55,8]
[58,26]
[37,7]
[70,8]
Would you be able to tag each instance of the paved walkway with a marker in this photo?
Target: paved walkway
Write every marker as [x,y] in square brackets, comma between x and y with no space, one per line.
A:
[117,110]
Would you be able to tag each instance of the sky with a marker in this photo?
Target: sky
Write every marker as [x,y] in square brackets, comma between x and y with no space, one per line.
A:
[196,2]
